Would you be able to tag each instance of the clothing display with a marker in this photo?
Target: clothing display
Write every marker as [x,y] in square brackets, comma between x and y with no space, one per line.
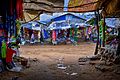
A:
[11,11]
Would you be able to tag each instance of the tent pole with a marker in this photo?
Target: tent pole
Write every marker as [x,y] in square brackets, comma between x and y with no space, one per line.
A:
[97,44]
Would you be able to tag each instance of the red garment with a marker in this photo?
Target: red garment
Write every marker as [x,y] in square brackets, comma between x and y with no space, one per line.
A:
[9,55]
[19,8]
[54,35]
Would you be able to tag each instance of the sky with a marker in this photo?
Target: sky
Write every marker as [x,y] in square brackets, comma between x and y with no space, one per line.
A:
[66,4]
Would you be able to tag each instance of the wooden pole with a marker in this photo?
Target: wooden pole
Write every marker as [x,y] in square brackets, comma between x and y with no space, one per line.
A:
[118,39]
[99,18]
[103,44]
[97,44]
[117,59]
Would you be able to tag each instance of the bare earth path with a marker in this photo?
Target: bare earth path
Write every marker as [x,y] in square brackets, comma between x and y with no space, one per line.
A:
[48,56]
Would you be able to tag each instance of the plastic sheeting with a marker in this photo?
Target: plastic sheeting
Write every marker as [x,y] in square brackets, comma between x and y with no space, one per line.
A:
[59,26]
[112,22]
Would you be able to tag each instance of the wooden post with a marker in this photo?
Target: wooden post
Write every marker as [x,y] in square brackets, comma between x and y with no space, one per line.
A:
[100,41]
[97,44]
[117,59]
[103,44]
[118,39]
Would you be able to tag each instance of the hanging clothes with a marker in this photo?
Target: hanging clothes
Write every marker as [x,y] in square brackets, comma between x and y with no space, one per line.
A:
[1,39]
[32,37]
[45,34]
[3,49]
[19,8]
[54,35]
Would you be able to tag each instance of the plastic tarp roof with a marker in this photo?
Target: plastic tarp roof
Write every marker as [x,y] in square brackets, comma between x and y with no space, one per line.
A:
[45,18]
[32,25]
[88,15]
[112,22]
[82,5]
[59,25]
[66,16]
[64,25]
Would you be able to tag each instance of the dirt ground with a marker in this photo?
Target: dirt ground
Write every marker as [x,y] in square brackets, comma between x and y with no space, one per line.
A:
[44,63]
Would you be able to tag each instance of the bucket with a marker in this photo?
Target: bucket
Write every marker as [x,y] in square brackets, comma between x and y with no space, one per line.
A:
[24,62]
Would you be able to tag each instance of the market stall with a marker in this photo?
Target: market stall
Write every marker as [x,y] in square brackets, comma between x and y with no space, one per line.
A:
[11,11]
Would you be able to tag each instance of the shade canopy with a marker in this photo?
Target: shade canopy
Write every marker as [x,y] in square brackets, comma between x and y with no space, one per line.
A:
[33,25]
[82,5]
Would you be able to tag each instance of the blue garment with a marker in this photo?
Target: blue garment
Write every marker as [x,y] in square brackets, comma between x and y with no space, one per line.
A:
[45,33]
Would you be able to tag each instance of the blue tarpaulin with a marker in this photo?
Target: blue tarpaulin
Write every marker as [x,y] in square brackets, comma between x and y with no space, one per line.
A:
[64,21]
[59,25]
[112,22]
[67,16]
[32,25]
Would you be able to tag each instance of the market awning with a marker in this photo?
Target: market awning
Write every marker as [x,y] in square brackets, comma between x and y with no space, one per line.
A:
[82,5]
